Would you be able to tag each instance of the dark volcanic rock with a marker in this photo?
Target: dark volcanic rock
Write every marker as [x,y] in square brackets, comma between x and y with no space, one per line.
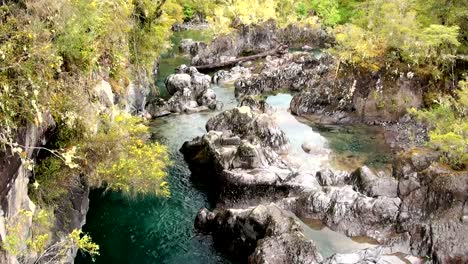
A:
[293,71]
[264,234]
[233,74]
[244,122]
[433,209]
[190,92]
[347,211]
[191,47]
[245,152]
[358,95]
[253,39]
[367,182]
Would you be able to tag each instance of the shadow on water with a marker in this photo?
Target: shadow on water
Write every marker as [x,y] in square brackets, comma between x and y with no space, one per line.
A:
[154,229]
[160,230]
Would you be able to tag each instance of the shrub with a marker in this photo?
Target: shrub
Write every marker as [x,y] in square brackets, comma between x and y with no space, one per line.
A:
[189,13]
[448,125]
[388,32]
[131,166]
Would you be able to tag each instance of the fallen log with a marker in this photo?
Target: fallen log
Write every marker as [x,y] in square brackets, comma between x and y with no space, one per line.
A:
[281,49]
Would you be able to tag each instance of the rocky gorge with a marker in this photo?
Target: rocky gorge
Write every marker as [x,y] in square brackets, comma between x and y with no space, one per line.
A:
[245,159]
[261,191]
[222,132]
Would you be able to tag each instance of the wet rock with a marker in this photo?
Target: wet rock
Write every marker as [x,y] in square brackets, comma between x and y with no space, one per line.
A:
[263,234]
[293,71]
[381,255]
[253,39]
[178,82]
[245,154]
[233,74]
[256,105]
[158,108]
[357,95]
[347,211]
[327,177]
[244,122]
[191,47]
[367,182]
[191,93]
[208,98]
[433,201]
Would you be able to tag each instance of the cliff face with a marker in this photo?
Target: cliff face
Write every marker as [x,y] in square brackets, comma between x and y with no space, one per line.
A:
[14,179]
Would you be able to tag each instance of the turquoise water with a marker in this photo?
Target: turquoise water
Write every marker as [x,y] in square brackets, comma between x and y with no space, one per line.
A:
[342,147]
[160,230]
[152,229]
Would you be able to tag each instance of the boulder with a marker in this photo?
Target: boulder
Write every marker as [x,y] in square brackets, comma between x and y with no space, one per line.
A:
[253,39]
[262,234]
[367,182]
[256,105]
[347,211]
[381,255]
[348,95]
[190,92]
[191,47]
[293,71]
[233,74]
[178,82]
[244,122]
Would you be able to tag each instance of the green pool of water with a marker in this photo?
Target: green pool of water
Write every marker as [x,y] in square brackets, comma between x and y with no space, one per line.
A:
[160,230]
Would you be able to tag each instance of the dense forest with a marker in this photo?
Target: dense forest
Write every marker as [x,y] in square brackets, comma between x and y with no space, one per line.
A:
[70,69]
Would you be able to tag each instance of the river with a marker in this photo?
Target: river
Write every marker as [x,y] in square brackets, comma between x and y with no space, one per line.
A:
[160,230]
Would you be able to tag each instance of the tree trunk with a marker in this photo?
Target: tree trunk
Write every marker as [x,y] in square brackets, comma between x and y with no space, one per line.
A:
[281,49]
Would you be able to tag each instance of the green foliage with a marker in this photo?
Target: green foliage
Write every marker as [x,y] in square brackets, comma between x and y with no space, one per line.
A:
[328,10]
[226,15]
[83,242]
[449,127]
[152,30]
[389,32]
[21,242]
[129,165]
[189,13]
[51,181]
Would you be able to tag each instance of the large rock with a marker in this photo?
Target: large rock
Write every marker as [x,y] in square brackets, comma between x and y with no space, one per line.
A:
[345,210]
[293,71]
[263,234]
[178,82]
[433,206]
[191,47]
[381,255]
[14,180]
[190,92]
[347,95]
[224,76]
[254,39]
[244,122]
[373,185]
[243,155]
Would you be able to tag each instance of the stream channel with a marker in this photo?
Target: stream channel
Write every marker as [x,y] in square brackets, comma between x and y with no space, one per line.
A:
[160,230]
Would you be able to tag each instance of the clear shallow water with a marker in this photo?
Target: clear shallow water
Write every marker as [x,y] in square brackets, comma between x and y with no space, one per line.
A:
[329,242]
[299,134]
[160,230]
[342,147]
